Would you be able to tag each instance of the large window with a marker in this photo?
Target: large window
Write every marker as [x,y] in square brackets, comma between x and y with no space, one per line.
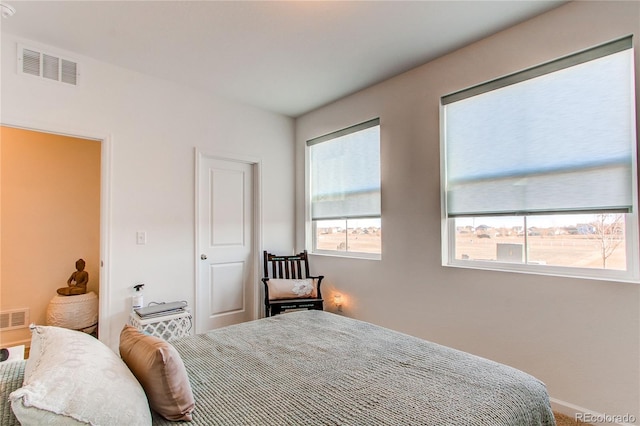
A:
[539,169]
[344,177]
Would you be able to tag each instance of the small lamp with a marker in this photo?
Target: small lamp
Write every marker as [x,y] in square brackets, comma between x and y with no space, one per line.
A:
[337,301]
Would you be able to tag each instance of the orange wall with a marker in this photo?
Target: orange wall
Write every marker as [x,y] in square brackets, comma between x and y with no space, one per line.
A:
[49,218]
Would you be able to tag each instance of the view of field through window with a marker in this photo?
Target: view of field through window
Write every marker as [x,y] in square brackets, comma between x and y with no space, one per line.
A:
[579,241]
[349,235]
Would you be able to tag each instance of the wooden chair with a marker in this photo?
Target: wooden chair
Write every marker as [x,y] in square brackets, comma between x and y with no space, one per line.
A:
[288,285]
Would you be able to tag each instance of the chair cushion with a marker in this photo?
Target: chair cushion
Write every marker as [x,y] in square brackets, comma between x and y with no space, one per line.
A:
[280,288]
[159,368]
[72,378]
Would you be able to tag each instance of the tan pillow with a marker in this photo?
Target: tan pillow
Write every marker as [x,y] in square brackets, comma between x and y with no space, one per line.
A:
[159,369]
[280,288]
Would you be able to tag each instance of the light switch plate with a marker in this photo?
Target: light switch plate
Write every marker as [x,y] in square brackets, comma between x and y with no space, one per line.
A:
[141,237]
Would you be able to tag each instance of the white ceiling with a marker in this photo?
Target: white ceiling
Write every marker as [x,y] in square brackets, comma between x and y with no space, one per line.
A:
[286,57]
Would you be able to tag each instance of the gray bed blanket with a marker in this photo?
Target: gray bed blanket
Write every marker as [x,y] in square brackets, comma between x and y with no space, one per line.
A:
[317,368]
[11,378]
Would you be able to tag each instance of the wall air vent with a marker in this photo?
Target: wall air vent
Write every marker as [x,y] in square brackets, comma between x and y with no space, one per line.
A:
[47,66]
[13,319]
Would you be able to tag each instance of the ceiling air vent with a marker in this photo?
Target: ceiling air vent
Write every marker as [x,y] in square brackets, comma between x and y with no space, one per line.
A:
[30,62]
[46,65]
[69,72]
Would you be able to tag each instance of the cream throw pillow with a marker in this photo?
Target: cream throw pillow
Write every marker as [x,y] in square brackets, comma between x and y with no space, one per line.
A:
[72,378]
[160,371]
[280,288]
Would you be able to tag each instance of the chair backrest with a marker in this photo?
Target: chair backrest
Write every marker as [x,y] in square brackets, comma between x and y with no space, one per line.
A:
[289,267]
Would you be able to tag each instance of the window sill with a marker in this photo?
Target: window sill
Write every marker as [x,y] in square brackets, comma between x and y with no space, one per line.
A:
[350,255]
[555,271]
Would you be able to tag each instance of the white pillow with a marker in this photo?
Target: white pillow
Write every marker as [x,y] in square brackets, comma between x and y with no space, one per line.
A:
[72,378]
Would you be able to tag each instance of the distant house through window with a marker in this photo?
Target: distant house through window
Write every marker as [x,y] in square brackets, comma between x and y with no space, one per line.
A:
[344,180]
[539,169]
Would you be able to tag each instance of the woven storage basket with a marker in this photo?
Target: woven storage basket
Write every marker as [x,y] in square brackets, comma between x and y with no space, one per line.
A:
[78,312]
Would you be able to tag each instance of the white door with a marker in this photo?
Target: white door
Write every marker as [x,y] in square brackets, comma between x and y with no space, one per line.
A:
[225,287]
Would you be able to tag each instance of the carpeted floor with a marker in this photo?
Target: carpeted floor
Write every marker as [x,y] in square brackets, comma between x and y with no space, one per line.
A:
[562,420]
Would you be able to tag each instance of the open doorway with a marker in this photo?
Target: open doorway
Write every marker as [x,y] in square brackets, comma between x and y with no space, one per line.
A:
[50,205]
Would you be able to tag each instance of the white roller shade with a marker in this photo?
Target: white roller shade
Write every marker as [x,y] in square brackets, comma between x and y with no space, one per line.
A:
[561,141]
[345,173]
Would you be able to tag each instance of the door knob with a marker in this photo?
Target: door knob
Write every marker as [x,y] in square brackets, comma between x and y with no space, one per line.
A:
[203,256]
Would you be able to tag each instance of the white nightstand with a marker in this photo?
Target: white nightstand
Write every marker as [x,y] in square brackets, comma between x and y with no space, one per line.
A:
[167,327]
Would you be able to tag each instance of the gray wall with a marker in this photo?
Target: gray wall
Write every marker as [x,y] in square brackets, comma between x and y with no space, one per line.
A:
[581,337]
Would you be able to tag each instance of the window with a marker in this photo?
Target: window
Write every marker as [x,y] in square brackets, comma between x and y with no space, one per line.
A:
[539,169]
[344,177]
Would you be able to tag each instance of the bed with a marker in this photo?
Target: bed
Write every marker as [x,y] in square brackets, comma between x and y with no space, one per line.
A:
[317,368]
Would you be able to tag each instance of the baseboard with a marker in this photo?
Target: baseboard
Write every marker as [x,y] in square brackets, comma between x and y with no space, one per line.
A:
[588,416]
